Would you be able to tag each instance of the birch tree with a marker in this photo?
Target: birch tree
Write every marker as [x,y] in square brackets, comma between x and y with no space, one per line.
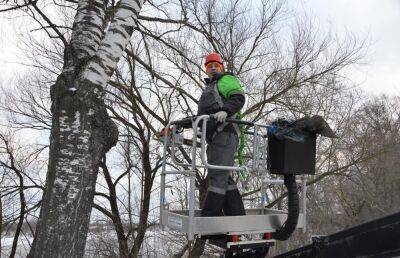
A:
[81,132]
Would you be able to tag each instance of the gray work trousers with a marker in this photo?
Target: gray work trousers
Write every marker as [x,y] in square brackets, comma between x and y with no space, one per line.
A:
[221,151]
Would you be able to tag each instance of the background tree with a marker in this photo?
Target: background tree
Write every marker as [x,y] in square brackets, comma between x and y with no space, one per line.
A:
[81,131]
[19,191]
[287,77]
[288,68]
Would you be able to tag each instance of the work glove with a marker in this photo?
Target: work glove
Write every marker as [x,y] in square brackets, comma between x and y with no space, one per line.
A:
[166,131]
[220,116]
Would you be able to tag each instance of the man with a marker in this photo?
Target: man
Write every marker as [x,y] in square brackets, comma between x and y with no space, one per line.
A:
[222,98]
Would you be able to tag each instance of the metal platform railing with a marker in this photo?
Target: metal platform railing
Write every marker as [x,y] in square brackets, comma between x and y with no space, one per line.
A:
[189,221]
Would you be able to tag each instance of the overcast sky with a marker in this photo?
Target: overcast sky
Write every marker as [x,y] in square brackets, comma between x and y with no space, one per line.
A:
[379,20]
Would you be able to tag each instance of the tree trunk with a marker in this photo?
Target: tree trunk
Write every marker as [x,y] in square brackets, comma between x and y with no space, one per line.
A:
[116,216]
[82,132]
[21,214]
[1,218]
[198,246]
[145,206]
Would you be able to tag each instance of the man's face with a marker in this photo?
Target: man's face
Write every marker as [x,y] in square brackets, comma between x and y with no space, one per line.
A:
[213,69]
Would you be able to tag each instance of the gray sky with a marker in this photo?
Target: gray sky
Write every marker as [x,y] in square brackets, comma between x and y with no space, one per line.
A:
[377,20]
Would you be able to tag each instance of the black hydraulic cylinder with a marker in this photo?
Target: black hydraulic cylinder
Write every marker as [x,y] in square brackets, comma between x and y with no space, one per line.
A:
[293,210]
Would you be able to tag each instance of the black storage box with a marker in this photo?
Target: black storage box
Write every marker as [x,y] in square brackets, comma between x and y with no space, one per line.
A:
[291,157]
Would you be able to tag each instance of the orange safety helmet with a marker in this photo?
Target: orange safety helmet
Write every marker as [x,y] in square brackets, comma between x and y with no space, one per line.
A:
[213,57]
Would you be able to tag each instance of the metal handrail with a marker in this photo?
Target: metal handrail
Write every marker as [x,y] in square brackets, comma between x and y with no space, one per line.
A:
[203,147]
[257,164]
[196,120]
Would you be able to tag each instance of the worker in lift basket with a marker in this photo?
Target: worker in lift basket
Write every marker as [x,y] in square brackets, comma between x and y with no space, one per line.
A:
[222,98]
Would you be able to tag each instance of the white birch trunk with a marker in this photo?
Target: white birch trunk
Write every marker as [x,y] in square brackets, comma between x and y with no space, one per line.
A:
[82,131]
[114,43]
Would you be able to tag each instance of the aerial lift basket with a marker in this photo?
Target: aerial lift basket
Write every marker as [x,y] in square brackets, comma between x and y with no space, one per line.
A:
[260,220]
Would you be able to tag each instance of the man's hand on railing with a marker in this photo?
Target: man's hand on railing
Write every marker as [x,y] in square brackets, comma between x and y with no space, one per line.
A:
[220,116]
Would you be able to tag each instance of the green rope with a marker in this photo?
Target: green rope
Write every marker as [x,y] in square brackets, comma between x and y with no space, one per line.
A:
[242,141]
